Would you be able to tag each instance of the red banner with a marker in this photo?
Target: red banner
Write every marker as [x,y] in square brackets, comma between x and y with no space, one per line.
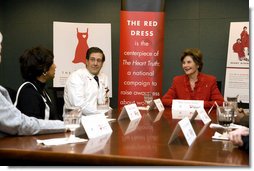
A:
[141,56]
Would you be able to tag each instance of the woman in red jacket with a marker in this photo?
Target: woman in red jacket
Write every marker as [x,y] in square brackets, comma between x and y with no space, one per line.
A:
[193,85]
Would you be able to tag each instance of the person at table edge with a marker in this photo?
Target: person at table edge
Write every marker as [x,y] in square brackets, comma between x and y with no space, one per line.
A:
[13,122]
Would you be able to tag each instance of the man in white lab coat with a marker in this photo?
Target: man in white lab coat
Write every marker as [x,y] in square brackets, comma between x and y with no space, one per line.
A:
[88,87]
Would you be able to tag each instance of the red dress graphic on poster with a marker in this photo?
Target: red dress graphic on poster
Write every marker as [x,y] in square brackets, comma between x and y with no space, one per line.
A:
[238,48]
[80,54]
[245,37]
[241,46]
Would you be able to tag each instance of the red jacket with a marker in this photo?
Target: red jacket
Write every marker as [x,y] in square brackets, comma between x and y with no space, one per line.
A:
[205,89]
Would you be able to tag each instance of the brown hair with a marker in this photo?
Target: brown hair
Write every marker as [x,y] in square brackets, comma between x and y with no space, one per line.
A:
[196,55]
[94,50]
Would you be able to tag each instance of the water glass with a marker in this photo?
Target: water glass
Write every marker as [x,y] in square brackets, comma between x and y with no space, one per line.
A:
[225,115]
[72,117]
[148,97]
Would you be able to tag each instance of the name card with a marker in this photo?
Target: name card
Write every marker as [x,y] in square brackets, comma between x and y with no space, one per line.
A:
[96,144]
[155,117]
[128,126]
[96,125]
[156,103]
[187,129]
[130,111]
[204,116]
[186,108]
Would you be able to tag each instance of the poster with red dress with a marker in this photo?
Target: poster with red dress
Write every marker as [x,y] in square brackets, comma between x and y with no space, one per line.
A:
[71,41]
[238,45]
[237,69]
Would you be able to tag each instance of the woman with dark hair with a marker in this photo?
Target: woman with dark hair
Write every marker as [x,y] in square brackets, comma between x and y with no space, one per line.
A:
[37,67]
[193,85]
[13,122]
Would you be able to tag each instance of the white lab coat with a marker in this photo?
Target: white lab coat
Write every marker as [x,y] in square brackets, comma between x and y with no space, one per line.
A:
[82,90]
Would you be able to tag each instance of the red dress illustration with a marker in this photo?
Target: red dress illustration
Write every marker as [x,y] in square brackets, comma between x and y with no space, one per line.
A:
[238,48]
[245,37]
[82,46]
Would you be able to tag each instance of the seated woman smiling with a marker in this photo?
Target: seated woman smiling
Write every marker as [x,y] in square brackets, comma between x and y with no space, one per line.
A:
[193,85]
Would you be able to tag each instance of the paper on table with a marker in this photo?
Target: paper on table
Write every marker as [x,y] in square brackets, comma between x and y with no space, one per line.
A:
[143,108]
[111,119]
[60,141]
[219,136]
[232,126]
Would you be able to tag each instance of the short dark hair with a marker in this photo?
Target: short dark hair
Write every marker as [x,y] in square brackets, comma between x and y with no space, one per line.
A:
[35,61]
[94,50]
[196,55]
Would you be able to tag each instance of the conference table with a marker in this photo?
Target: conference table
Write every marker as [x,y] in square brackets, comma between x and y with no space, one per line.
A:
[143,142]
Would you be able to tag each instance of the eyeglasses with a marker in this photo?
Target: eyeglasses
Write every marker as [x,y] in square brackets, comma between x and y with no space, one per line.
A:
[97,60]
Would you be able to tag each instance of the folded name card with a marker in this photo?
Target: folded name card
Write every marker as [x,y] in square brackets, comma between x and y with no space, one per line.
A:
[128,126]
[187,129]
[96,144]
[155,117]
[186,108]
[201,113]
[96,125]
[156,104]
[130,111]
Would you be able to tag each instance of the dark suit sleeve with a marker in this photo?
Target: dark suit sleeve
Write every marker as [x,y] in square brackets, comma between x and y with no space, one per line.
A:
[245,146]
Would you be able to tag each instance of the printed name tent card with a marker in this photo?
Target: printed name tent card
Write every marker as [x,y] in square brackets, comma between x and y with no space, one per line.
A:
[96,144]
[174,134]
[128,126]
[155,117]
[187,129]
[96,125]
[156,104]
[130,111]
[203,115]
[185,108]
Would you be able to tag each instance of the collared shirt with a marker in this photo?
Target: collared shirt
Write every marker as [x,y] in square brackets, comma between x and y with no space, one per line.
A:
[82,90]
[13,122]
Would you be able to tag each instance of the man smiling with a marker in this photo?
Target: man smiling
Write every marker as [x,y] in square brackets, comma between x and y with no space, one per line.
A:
[88,87]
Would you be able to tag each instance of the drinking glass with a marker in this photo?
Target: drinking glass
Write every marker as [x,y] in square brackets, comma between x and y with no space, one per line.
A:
[231,106]
[233,102]
[72,117]
[148,98]
[225,115]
